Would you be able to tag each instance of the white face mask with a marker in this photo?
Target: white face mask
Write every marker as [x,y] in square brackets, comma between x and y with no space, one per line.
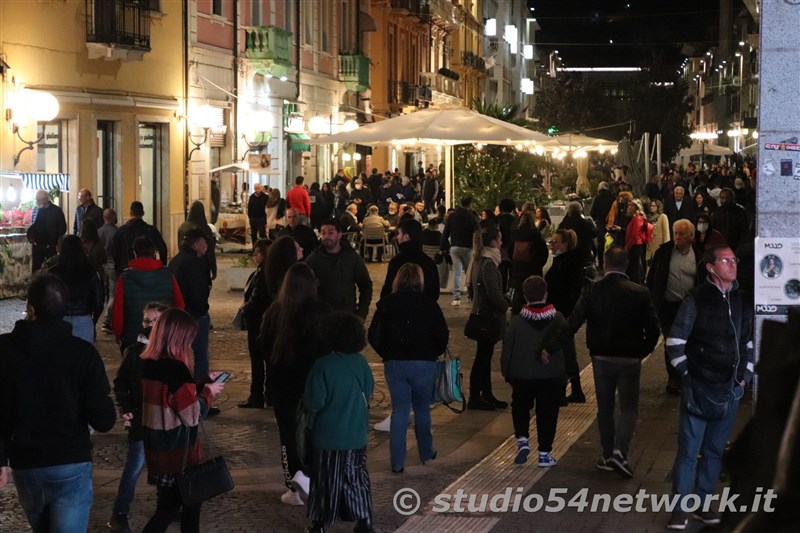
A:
[359,186]
[739,186]
[556,252]
[702,227]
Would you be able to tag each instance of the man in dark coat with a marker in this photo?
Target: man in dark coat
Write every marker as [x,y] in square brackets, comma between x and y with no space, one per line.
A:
[409,243]
[122,247]
[54,388]
[599,212]
[730,219]
[584,229]
[49,225]
[678,207]
[86,209]
[302,234]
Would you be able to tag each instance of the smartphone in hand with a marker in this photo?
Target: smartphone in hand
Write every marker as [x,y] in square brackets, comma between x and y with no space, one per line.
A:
[223,377]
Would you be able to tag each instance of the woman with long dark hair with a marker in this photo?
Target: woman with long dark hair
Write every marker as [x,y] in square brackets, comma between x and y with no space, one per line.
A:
[291,342]
[486,286]
[85,291]
[528,253]
[172,406]
[256,301]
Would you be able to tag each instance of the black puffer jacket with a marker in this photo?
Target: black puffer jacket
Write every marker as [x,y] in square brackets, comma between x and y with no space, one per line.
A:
[712,332]
[620,318]
[412,327]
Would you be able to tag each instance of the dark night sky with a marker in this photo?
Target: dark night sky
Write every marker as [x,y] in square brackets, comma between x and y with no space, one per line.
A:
[581,29]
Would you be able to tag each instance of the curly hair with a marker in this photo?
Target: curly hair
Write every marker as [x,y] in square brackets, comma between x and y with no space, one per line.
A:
[344,332]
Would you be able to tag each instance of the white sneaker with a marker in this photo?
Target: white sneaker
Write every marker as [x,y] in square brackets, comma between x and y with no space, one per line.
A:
[385,424]
[455,303]
[291,497]
[301,485]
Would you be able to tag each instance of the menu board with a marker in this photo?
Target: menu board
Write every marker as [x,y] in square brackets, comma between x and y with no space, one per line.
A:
[777,275]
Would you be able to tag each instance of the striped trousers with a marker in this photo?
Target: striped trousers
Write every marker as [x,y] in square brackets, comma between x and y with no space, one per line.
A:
[340,487]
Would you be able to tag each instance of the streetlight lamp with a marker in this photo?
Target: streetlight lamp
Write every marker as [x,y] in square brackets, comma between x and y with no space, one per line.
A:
[30,107]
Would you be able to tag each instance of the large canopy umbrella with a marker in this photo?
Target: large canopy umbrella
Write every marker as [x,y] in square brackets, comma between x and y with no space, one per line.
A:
[438,127]
[703,149]
[572,142]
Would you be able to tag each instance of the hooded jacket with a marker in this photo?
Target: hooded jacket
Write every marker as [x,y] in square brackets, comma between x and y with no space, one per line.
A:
[145,280]
[536,328]
[54,387]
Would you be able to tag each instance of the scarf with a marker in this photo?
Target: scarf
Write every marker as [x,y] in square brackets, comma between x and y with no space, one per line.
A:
[489,252]
[540,312]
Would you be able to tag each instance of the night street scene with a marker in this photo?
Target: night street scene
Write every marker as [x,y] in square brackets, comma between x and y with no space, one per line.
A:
[414,266]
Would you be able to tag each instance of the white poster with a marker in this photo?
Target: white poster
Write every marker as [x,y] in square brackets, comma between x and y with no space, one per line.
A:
[777,274]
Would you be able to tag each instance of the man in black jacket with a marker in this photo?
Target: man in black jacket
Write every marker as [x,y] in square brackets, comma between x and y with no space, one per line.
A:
[599,212]
[730,219]
[257,214]
[302,234]
[457,236]
[584,229]
[55,387]
[673,273]
[711,347]
[409,244]
[194,279]
[49,225]
[122,247]
[86,209]
[621,330]
[678,207]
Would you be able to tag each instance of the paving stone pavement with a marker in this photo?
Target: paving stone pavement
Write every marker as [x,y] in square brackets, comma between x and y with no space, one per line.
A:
[248,440]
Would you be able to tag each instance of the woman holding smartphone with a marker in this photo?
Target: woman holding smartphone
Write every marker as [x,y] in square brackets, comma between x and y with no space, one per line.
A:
[172,405]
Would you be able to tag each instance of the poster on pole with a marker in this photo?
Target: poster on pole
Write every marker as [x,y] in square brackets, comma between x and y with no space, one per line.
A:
[777,275]
[259,163]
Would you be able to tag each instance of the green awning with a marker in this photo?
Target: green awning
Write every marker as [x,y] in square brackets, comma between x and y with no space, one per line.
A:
[297,142]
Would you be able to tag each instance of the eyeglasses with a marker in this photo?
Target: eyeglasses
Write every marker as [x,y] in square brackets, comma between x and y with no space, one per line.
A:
[148,321]
[729,260]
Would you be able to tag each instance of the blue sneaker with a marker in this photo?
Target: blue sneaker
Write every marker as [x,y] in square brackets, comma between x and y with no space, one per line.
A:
[523,450]
[546,460]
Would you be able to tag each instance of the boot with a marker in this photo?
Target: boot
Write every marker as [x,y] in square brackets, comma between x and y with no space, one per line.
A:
[316,527]
[577,395]
[490,398]
[363,526]
[477,403]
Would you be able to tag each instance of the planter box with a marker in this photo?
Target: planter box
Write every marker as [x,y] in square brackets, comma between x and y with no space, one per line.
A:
[237,277]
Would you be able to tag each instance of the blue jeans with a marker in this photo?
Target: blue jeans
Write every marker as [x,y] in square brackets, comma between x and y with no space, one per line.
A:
[82,327]
[461,257]
[56,499]
[410,384]
[707,437]
[621,378]
[200,348]
[134,464]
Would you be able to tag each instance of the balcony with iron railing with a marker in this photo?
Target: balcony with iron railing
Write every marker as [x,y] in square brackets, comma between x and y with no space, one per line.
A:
[472,61]
[117,29]
[409,94]
[354,71]
[269,48]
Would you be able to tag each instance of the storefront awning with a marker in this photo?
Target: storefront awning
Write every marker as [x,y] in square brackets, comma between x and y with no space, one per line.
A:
[297,142]
[48,182]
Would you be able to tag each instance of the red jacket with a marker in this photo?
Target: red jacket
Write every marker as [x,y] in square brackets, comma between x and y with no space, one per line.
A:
[636,232]
[297,198]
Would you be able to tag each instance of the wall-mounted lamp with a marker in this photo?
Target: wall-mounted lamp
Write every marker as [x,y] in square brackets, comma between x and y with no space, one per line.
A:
[319,125]
[26,107]
[258,128]
[357,156]
[204,117]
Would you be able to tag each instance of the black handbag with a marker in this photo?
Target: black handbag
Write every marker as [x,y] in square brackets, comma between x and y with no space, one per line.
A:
[239,321]
[482,327]
[203,481]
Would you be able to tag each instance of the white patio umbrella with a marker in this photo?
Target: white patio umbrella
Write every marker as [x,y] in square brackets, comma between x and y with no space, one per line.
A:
[701,148]
[438,127]
[571,142]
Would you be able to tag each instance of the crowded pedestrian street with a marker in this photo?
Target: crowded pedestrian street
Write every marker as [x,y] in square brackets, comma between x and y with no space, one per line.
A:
[475,450]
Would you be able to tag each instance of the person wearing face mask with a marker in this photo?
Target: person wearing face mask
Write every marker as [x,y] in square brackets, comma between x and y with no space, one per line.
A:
[128,394]
[392,216]
[706,236]
[361,196]
[740,191]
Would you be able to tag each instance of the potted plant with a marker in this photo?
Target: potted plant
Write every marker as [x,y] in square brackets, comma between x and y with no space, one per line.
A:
[237,275]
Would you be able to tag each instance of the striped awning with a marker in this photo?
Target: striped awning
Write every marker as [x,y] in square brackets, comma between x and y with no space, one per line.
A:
[47,182]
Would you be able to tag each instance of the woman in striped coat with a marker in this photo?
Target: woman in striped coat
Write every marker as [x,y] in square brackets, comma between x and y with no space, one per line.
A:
[172,404]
